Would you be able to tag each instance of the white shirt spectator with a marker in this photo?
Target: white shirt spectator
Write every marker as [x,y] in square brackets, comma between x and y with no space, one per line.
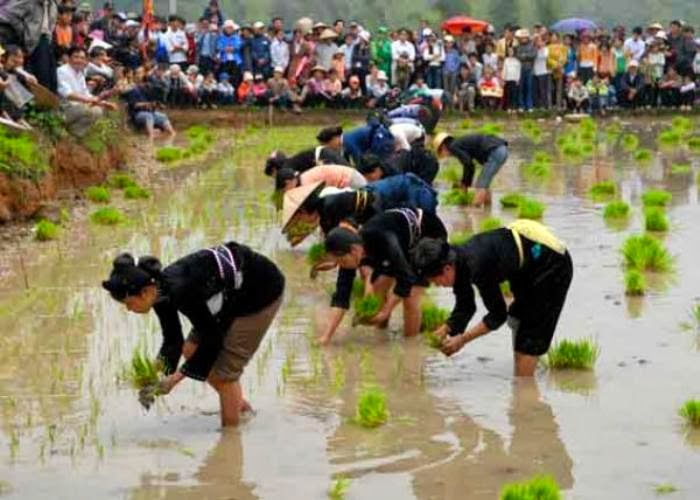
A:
[511,69]
[540,66]
[434,57]
[490,60]
[225,88]
[696,64]
[279,53]
[635,47]
[71,82]
[379,89]
[175,39]
[398,47]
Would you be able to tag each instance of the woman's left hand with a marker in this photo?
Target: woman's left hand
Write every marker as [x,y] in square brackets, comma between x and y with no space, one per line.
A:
[452,345]
[168,383]
[379,319]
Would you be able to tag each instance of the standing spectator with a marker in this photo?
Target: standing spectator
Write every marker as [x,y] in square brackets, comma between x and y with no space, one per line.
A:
[279,51]
[213,13]
[571,56]
[381,49]
[347,48]
[338,64]
[176,41]
[450,69]
[190,33]
[326,49]
[229,51]
[606,61]
[543,87]
[63,31]
[466,89]
[686,53]
[631,86]
[618,51]
[511,77]
[402,47]
[361,57]
[635,47]
[339,28]
[490,58]
[505,42]
[657,62]
[433,56]
[206,42]
[696,63]
[260,51]
[556,61]
[526,53]
[587,58]
[300,57]
[675,41]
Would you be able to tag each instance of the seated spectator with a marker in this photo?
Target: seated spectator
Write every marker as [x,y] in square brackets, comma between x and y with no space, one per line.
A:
[313,93]
[227,94]
[194,77]
[466,89]
[143,109]
[281,95]
[670,88]
[245,89]
[578,96]
[158,84]
[260,90]
[378,91]
[333,87]
[631,85]
[418,90]
[180,90]
[598,92]
[209,92]
[15,83]
[80,107]
[351,96]
[99,69]
[490,89]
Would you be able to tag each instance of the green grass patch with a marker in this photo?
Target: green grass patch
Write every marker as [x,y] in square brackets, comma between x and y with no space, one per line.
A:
[537,488]
[643,155]
[490,223]
[635,283]
[316,254]
[45,230]
[339,488]
[458,197]
[98,194]
[655,219]
[107,216]
[602,190]
[458,238]
[531,130]
[102,134]
[573,355]
[136,193]
[630,142]
[511,200]
[646,253]
[680,169]
[371,409]
[169,154]
[432,316]
[531,209]
[121,181]
[466,124]
[22,155]
[690,411]
[617,209]
[366,307]
[491,129]
[656,198]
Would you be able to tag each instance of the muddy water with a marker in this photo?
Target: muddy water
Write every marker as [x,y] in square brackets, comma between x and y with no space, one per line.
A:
[459,428]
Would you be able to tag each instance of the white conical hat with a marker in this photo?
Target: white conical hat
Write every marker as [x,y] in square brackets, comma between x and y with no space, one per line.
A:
[295,198]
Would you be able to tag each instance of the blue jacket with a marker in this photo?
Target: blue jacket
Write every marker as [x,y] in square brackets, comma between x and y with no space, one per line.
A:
[207,44]
[404,191]
[372,138]
[260,50]
[233,41]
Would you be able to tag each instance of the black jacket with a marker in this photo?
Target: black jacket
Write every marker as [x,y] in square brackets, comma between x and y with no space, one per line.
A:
[189,283]
[473,147]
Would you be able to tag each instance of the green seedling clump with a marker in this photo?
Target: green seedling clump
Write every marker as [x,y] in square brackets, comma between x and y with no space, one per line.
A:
[432,340]
[655,219]
[665,489]
[458,238]
[602,190]
[45,230]
[617,209]
[645,253]
[630,142]
[121,181]
[432,317]
[358,288]
[537,488]
[669,137]
[458,197]
[635,283]
[490,223]
[371,408]
[142,371]
[136,193]
[169,154]
[690,411]
[680,169]
[98,194]
[656,198]
[451,174]
[491,129]
[339,488]
[366,307]
[694,143]
[643,155]
[538,170]
[511,200]
[531,209]
[316,254]
[682,124]
[107,216]
[573,354]
[613,130]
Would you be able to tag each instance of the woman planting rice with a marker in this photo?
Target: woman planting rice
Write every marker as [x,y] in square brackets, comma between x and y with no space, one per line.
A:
[382,245]
[526,254]
[219,290]
[338,176]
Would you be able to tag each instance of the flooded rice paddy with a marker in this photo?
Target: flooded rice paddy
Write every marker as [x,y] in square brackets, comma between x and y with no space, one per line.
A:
[459,428]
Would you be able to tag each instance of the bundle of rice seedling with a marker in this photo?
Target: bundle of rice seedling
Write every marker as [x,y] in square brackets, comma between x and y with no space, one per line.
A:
[458,197]
[432,316]
[366,307]
[371,408]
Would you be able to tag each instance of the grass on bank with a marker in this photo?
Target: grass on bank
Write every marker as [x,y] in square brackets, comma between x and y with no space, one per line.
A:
[136,193]
[22,155]
[98,194]
[121,181]
[573,355]
[339,488]
[107,216]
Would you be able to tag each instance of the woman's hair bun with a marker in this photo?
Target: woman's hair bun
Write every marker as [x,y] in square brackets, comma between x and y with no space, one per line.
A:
[150,265]
[123,260]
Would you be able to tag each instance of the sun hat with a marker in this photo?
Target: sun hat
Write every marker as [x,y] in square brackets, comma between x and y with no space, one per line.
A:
[132,24]
[382,75]
[294,199]
[320,25]
[318,68]
[449,39]
[364,35]
[522,33]
[192,69]
[634,63]
[440,140]
[258,25]
[278,69]
[97,43]
[656,26]
[328,34]
[247,76]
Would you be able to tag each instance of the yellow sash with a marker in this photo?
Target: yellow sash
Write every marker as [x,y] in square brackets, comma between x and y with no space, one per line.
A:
[534,231]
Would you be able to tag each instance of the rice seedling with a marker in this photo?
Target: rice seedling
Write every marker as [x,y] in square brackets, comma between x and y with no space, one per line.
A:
[98,194]
[466,124]
[136,193]
[538,170]
[587,149]
[490,223]
[656,198]
[602,190]
[531,209]
[694,143]
[588,124]
[491,129]
[366,307]
[458,197]
[371,407]
[645,253]
[432,316]
[316,254]
[432,340]
[573,354]
[680,169]
[690,411]
[630,142]
[511,200]
[617,210]
[107,216]
[451,174]
[669,137]
[655,219]
[505,289]
[458,238]
[682,123]
[643,155]
[635,283]
[537,488]
[169,154]
[613,130]
[571,149]
[665,489]
[358,288]
[45,230]
[121,181]
[142,371]
[339,488]
[695,312]
[531,129]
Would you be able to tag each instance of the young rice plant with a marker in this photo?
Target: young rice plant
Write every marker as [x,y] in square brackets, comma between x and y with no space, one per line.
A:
[573,355]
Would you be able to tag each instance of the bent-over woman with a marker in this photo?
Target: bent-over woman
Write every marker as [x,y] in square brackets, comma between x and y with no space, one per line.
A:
[538,267]
[229,293]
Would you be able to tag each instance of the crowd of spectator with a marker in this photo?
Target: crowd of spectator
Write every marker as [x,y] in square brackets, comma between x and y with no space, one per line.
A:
[154,63]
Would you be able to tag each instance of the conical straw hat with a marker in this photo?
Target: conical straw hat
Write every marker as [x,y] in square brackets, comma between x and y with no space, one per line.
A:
[294,199]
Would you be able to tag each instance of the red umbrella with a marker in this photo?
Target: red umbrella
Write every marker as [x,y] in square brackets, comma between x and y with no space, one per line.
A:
[456,25]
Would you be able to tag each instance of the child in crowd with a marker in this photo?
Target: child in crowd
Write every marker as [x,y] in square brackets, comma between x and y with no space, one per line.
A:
[333,87]
[245,89]
[578,96]
[490,89]
[260,90]
[597,89]
[351,96]
[209,92]
[225,90]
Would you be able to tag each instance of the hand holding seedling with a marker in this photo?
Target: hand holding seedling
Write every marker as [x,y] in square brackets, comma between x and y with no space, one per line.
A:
[452,345]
